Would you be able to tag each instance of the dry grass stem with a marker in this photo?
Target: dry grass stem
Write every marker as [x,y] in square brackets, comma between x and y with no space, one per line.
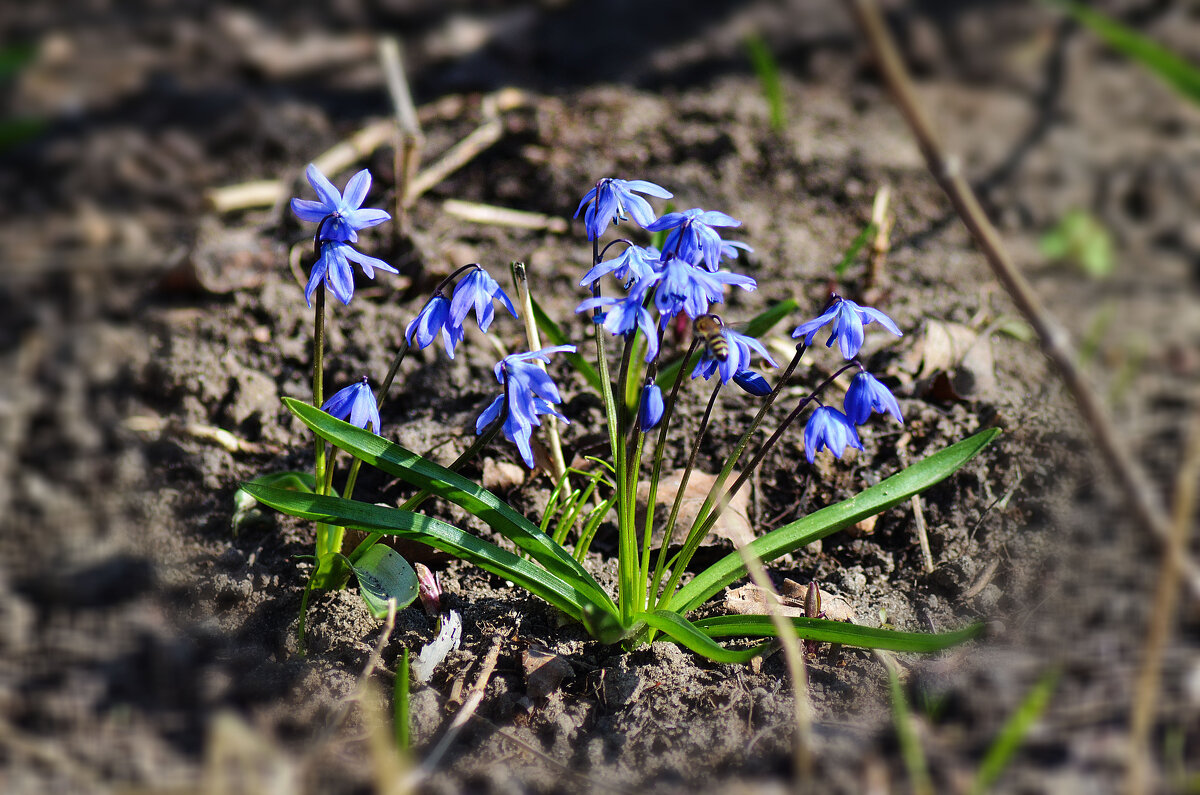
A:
[947,170]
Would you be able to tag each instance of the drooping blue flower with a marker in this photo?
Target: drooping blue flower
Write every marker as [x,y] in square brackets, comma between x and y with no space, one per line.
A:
[530,392]
[687,288]
[692,235]
[342,214]
[633,264]
[622,316]
[355,404]
[830,429]
[434,317]
[651,410]
[867,394]
[848,319]
[752,382]
[333,266]
[736,360]
[477,289]
[617,199]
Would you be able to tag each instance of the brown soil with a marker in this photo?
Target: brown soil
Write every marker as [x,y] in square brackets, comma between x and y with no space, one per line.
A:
[145,643]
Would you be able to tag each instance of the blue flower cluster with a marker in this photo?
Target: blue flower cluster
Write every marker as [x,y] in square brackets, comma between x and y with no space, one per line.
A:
[829,428]
[339,217]
[477,290]
[682,279]
[528,394]
[685,279]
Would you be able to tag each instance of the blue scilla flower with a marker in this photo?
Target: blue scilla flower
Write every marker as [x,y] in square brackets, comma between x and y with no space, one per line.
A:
[737,358]
[477,289]
[867,394]
[848,319]
[633,264]
[690,289]
[340,215]
[752,382]
[624,315]
[355,404]
[530,392]
[651,410]
[617,199]
[434,317]
[692,235]
[333,267]
[830,429]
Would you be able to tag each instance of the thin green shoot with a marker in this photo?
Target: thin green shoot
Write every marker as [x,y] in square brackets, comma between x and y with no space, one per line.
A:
[1173,70]
[1080,239]
[910,747]
[767,70]
[854,250]
[1013,733]
[401,719]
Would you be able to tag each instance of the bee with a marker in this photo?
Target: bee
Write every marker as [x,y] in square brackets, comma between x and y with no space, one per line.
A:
[711,329]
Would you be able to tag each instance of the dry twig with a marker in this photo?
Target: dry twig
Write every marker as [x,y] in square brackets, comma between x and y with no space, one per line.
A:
[947,170]
[801,705]
[1162,615]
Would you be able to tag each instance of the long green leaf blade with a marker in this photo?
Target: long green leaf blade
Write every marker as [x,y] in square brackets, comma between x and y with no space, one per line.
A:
[429,531]
[425,474]
[826,631]
[686,634]
[555,336]
[830,519]
[1182,76]
[1013,734]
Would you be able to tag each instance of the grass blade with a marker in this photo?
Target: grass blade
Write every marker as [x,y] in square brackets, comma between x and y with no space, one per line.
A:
[686,634]
[432,532]
[910,746]
[826,631]
[423,473]
[829,520]
[1169,67]
[1013,733]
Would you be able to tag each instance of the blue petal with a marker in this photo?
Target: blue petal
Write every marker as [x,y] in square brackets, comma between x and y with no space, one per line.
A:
[310,211]
[330,196]
[356,190]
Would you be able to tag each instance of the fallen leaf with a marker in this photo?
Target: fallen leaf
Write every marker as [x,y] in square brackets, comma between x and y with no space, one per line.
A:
[544,671]
[732,529]
[956,362]
[750,600]
[501,475]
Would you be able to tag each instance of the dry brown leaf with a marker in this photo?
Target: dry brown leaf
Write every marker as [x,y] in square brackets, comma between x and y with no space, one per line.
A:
[501,475]
[733,528]
[750,600]
[956,362]
[544,671]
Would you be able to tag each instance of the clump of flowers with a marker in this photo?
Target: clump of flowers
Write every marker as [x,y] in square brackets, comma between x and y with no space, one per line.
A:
[636,295]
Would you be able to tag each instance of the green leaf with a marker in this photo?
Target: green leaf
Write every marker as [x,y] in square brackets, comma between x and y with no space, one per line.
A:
[555,336]
[243,503]
[1079,238]
[856,246]
[767,70]
[826,631]
[829,520]
[383,574]
[1182,76]
[686,634]
[757,327]
[432,532]
[1011,736]
[425,474]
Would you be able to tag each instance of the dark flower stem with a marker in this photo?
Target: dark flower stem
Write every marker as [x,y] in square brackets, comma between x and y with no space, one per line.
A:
[669,534]
[694,538]
[664,425]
